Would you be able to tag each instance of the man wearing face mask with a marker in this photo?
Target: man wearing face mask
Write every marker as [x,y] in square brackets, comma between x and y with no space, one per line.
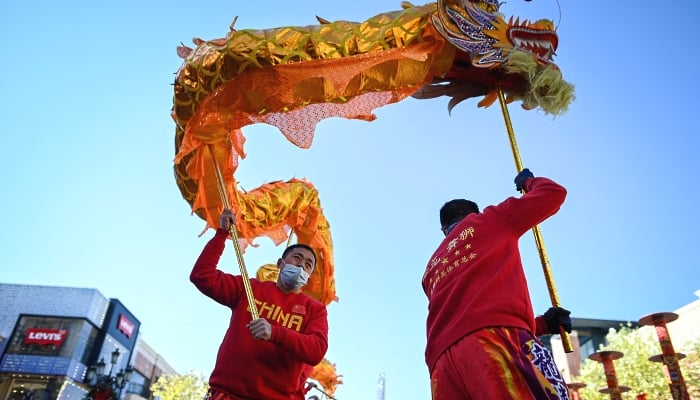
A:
[269,357]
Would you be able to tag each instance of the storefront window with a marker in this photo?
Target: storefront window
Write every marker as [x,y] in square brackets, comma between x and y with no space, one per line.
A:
[52,336]
[34,388]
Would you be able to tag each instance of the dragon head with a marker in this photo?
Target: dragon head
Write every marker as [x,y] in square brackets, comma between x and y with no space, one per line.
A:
[493,52]
[478,28]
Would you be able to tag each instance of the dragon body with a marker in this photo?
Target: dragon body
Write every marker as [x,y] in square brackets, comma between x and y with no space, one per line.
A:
[294,77]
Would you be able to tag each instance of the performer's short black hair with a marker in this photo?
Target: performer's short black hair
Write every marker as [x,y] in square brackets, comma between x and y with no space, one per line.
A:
[455,210]
[300,246]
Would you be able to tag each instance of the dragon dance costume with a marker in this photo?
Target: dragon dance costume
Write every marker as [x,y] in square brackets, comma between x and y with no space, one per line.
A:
[481,341]
[294,77]
[258,369]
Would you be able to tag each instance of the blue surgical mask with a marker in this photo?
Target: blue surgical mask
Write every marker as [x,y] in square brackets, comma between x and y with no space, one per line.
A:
[293,277]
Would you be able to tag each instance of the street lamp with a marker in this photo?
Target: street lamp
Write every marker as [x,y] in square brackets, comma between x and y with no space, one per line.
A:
[105,386]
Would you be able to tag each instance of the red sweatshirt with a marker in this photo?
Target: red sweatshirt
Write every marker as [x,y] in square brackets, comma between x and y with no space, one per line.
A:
[260,369]
[475,278]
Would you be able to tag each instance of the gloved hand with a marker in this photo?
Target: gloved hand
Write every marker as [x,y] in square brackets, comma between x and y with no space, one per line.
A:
[555,317]
[520,179]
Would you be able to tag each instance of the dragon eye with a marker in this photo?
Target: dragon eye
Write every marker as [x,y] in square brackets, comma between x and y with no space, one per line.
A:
[544,24]
[490,7]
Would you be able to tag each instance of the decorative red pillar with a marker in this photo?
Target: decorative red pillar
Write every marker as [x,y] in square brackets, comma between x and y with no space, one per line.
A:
[669,357]
[574,388]
[607,357]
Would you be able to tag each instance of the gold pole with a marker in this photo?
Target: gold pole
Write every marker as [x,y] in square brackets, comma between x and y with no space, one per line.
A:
[289,239]
[554,297]
[234,235]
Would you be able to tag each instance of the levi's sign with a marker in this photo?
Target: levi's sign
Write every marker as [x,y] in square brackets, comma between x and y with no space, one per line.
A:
[125,326]
[44,336]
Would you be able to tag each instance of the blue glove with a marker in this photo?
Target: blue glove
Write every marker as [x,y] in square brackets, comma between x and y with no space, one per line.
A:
[520,179]
[556,317]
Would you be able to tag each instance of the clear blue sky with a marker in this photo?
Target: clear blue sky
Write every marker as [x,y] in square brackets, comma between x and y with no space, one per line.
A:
[89,198]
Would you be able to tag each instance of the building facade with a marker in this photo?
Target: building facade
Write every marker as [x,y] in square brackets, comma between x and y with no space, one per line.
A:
[49,336]
[148,367]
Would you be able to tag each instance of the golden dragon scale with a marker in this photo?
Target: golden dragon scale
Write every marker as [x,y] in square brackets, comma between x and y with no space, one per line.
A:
[294,77]
[325,373]
[267,210]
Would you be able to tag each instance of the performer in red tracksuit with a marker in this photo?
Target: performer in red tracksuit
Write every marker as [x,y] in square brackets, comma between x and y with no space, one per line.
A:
[481,329]
[267,358]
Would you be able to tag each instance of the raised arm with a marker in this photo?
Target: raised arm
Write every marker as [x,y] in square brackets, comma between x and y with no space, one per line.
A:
[220,286]
[543,197]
